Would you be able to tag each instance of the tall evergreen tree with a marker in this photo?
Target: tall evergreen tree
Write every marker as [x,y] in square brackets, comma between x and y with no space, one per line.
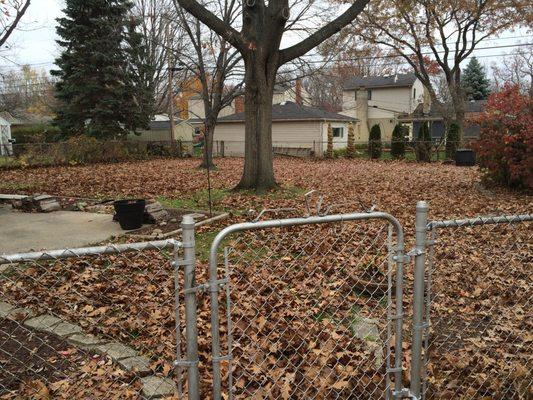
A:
[474,81]
[96,84]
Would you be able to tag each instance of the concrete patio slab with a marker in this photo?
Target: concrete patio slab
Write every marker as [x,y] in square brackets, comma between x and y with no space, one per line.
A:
[23,232]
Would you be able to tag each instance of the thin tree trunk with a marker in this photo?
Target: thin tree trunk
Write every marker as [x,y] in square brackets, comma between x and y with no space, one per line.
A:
[207,160]
[258,171]
[458,103]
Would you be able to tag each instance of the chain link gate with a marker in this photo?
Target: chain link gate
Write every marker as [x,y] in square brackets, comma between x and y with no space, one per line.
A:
[472,307]
[308,308]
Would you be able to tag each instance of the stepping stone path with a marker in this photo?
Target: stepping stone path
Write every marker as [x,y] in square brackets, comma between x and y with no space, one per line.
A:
[153,387]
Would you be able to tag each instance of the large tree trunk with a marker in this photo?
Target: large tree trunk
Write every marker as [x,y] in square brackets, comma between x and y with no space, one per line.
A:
[258,171]
[207,160]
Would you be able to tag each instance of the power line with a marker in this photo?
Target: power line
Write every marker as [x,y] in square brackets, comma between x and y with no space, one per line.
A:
[43,63]
[409,55]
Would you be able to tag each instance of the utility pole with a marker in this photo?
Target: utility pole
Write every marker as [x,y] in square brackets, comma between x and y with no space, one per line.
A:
[170,82]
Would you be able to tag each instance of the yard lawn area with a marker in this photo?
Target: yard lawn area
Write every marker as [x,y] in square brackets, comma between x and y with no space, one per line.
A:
[394,186]
[130,297]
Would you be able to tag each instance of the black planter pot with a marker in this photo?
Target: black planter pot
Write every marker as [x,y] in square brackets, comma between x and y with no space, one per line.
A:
[130,213]
[465,158]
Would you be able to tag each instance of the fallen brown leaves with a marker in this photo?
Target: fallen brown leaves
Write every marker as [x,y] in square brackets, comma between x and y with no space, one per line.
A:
[296,292]
[40,366]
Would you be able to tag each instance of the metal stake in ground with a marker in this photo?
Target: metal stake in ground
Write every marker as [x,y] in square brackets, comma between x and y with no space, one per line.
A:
[208,166]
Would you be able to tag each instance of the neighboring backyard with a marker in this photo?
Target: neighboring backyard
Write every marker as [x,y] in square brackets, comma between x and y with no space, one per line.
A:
[280,276]
[394,186]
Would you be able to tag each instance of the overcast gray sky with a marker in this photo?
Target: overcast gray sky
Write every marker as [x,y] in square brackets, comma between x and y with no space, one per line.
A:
[35,43]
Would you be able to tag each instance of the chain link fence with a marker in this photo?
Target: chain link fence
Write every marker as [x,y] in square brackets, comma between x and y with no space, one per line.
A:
[87,150]
[96,322]
[306,307]
[477,330]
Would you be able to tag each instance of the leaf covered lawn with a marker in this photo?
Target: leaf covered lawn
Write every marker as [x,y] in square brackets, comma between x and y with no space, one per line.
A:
[296,294]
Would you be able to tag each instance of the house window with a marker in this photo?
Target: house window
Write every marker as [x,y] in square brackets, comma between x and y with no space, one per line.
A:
[369,92]
[338,132]
[414,93]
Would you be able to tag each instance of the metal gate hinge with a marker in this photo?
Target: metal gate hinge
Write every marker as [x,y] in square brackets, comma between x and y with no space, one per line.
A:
[180,263]
[405,394]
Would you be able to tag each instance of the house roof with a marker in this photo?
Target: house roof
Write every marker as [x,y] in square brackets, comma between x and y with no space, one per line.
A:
[473,106]
[162,122]
[397,80]
[289,111]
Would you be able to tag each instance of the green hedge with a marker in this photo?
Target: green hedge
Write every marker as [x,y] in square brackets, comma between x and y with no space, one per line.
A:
[39,133]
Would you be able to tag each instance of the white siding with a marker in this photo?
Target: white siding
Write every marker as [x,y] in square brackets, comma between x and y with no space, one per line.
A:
[395,99]
[348,103]
[298,134]
[6,147]
[196,109]
[338,143]
[417,97]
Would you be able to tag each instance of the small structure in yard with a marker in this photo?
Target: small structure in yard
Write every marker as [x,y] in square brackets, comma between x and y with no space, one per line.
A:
[6,142]
[160,131]
[297,130]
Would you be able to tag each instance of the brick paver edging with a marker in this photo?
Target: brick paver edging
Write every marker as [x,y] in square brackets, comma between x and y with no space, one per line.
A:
[153,387]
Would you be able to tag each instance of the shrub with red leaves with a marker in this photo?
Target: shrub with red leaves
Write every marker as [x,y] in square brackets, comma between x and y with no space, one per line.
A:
[505,147]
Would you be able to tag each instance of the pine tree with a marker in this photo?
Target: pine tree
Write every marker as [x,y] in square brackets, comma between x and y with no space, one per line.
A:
[96,87]
[423,144]
[139,87]
[474,81]
[374,142]
[397,148]
[452,141]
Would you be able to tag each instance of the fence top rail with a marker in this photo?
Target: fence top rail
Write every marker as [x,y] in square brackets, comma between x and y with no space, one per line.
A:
[87,251]
[309,220]
[456,223]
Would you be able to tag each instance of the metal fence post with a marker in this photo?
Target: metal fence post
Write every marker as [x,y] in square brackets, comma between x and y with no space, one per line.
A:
[189,285]
[418,297]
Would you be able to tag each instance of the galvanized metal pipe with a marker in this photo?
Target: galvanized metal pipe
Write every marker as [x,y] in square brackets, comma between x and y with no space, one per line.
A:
[86,251]
[191,328]
[279,223]
[418,297]
[455,223]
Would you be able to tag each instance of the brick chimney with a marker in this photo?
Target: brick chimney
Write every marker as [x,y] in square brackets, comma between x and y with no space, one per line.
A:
[298,90]
[239,104]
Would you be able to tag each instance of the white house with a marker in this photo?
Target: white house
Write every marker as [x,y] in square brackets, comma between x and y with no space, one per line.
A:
[282,92]
[6,145]
[380,100]
[296,130]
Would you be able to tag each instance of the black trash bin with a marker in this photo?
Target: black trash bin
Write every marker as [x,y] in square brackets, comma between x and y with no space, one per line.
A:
[465,158]
[130,213]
